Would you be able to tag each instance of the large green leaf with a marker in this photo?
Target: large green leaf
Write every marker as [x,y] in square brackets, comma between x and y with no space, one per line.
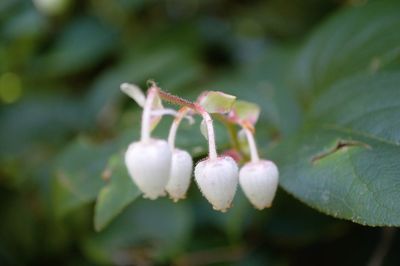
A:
[116,195]
[346,162]
[80,169]
[161,227]
[78,174]
[361,39]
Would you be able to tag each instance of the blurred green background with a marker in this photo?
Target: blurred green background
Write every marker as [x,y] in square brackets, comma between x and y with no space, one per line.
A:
[63,117]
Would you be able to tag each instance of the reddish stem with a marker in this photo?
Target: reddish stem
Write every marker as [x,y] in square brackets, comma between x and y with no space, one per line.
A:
[212,150]
[175,99]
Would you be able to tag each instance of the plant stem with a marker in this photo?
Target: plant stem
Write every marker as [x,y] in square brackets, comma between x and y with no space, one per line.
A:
[146,115]
[252,145]
[175,99]
[212,149]
[174,127]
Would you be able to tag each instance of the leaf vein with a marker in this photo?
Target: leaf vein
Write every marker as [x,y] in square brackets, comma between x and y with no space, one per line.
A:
[367,185]
[359,133]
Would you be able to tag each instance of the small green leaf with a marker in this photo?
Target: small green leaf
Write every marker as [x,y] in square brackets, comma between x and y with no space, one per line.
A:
[116,195]
[246,111]
[217,102]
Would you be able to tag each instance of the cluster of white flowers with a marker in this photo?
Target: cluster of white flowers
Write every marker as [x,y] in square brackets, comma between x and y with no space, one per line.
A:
[157,167]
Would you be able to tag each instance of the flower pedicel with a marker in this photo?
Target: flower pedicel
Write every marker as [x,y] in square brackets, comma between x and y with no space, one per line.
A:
[182,163]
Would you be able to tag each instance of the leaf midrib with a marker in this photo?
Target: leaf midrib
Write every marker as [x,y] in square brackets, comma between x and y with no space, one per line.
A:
[358,133]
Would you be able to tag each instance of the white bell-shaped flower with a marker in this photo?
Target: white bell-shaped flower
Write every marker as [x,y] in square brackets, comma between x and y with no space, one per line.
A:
[181,172]
[217,180]
[149,165]
[259,181]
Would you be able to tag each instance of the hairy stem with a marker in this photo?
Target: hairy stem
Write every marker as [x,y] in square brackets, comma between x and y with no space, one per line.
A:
[212,150]
[175,99]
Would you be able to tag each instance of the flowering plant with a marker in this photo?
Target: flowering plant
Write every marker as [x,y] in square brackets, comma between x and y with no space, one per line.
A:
[157,167]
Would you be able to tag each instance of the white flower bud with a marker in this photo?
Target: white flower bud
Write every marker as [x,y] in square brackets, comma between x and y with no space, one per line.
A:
[259,182]
[217,180]
[181,172]
[149,165]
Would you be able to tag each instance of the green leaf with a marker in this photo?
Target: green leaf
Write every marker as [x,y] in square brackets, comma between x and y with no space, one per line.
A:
[78,174]
[361,39]
[161,225]
[217,102]
[246,111]
[116,195]
[345,162]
